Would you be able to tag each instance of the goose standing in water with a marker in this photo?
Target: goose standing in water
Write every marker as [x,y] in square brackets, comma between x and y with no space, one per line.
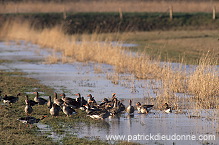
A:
[39,100]
[115,109]
[130,109]
[144,109]
[11,99]
[167,108]
[99,114]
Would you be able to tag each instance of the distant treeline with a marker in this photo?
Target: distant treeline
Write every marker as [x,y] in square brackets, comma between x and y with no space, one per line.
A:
[114,22]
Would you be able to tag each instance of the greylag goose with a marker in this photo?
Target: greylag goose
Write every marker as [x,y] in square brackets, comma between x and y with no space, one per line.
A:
[113,95]
[167,108]
[115,109]
[11,99]
[67,110]
[144,109]
[104,102]
[81,101]
[91,101]
[49,103]
[130,109]
[28,108]
[57,101]
[54,110]
[30,102]
[121,106]
[30,120]
[99,114]
[39,100]
[70,101]
[89,109]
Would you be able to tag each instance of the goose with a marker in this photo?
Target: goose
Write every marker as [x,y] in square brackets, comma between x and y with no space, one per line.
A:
[99,114]
[144,109]
[130,109]
[121,106]
[104,102]
[54,110]
[90,109]
[167,108]
[70,101]
[30,102]
[49,103]
[67,110]
[30,120]
[11,99]
[115,109]
[57,101]
[81,101]
[91,101]
[40,101]
[28,108]
[113,95]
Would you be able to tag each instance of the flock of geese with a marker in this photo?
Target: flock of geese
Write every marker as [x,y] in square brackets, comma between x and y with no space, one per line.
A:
[68,105]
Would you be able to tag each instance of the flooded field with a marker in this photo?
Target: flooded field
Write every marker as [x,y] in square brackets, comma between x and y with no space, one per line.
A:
[195,127]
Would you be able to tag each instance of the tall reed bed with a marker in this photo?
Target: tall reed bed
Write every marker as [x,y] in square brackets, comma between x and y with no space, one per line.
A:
[202,83]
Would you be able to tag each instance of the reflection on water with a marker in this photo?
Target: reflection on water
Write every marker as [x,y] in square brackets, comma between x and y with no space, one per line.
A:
[136,128]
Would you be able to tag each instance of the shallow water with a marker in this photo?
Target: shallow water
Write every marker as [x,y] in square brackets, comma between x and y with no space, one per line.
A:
[79,77]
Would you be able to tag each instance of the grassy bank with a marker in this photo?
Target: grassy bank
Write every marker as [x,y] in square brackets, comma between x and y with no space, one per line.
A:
[175,46]
[116,22]
[12,131]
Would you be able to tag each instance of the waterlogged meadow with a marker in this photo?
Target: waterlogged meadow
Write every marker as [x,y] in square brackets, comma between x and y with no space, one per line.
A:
[94,63]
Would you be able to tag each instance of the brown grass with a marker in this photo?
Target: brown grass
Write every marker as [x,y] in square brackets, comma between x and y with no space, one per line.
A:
[109,6]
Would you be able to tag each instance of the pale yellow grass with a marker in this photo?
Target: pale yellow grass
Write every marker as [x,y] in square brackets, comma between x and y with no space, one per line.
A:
[109,6]
[204,83]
